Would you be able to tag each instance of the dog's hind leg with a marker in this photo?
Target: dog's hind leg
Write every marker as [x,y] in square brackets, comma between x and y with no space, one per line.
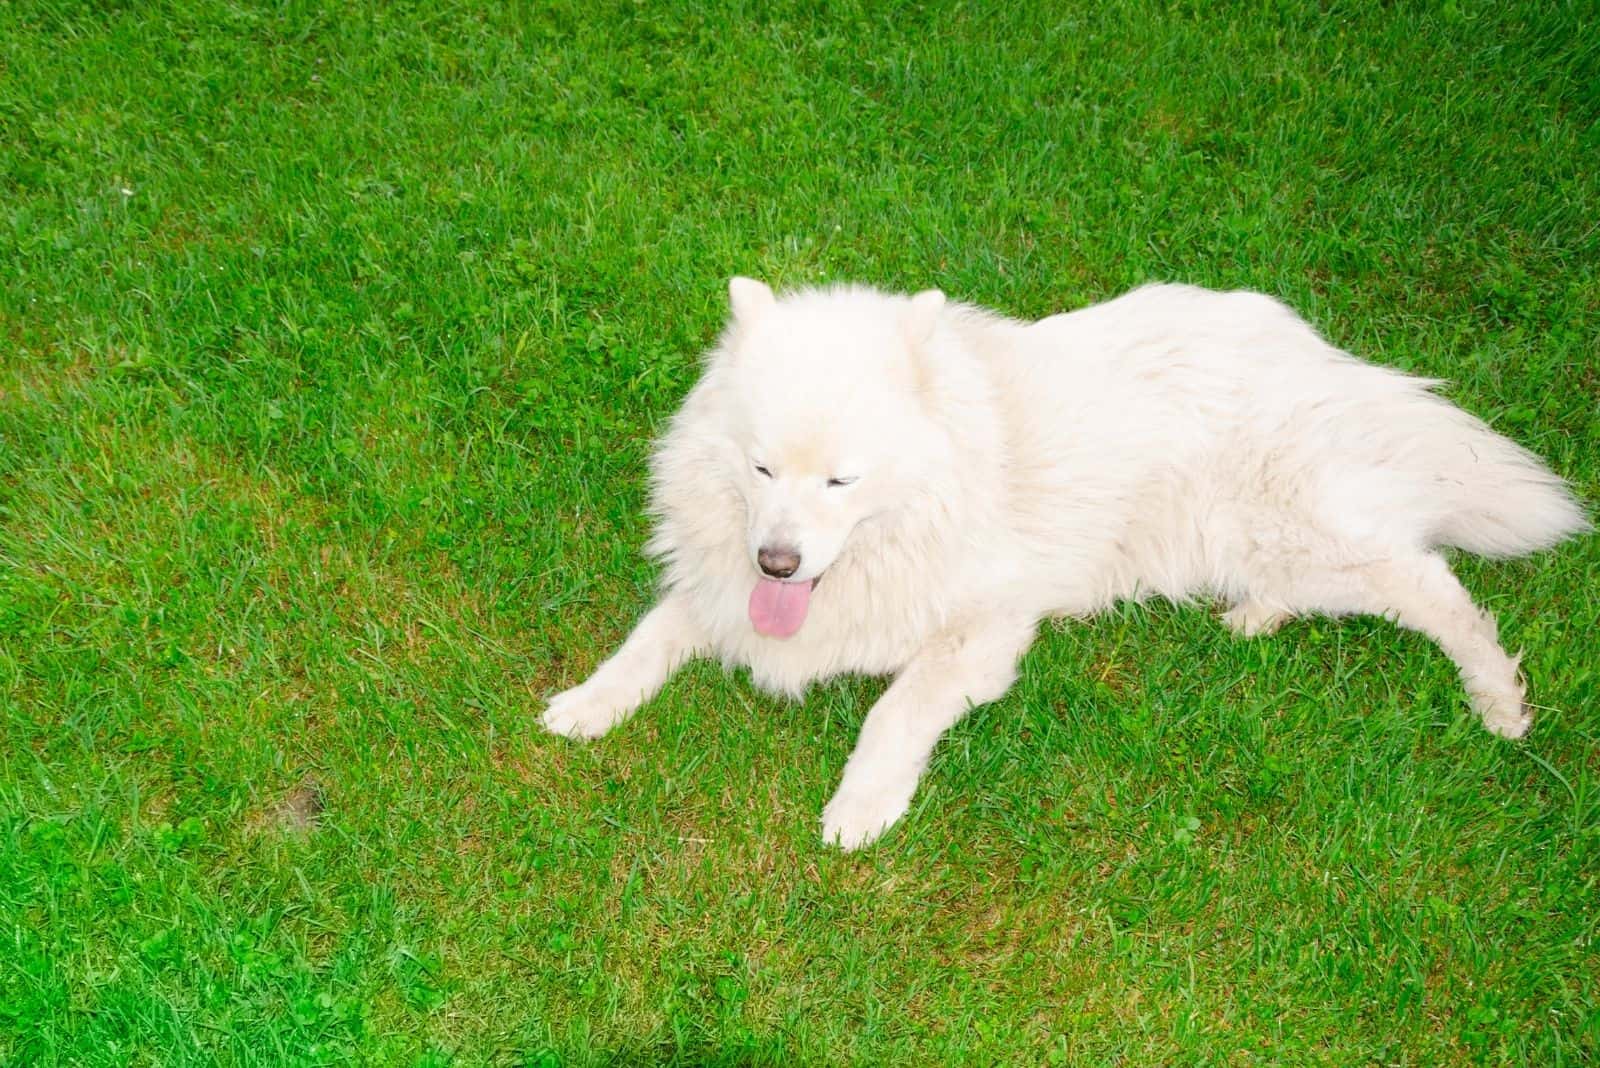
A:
[1250,618]
[662,641]
[1420,593]
[964,666]
[1427,597]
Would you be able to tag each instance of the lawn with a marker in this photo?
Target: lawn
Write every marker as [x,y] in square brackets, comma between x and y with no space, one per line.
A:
[332,343]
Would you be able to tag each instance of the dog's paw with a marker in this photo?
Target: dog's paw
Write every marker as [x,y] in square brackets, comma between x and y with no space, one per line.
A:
[1501,707]
[857,817]
[1249,619]
[587,711]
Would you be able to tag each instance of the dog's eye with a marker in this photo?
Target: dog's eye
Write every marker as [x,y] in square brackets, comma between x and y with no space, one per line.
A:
[761,470]
[834,483]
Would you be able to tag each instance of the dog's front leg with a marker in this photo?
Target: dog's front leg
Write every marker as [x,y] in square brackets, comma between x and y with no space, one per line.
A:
[662,641]
[963,667]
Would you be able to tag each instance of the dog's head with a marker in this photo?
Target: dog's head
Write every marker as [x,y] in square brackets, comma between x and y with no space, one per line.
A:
[824,397]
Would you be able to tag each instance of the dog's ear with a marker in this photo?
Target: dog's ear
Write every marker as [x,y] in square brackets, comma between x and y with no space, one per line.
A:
[751,300]
[921,315]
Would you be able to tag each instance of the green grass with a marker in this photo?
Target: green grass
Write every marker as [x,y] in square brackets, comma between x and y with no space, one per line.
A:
[332,341]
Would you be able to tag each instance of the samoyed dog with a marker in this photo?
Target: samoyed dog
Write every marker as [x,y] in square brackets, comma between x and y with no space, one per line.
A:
[865,482]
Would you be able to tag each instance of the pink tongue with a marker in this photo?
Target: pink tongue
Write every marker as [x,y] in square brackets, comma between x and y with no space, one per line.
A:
[778,608]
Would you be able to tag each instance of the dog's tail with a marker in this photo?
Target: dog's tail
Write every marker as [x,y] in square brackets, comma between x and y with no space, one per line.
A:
[1500,499]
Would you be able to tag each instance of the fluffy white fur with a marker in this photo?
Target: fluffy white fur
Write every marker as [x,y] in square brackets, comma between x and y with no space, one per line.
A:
[954,477]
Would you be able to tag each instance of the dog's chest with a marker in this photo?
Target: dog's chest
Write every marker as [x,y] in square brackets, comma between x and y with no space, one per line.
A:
[838,638]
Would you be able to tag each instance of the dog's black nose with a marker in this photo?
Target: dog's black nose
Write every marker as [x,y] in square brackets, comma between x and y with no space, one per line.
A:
[779,562]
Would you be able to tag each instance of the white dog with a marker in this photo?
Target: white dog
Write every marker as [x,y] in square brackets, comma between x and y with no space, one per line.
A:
[863,482]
